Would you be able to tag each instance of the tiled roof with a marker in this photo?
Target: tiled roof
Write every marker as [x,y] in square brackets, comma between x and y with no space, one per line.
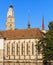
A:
[33,33]
[1,34]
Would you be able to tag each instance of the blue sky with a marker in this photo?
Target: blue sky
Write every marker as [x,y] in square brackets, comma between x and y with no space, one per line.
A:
[36,8]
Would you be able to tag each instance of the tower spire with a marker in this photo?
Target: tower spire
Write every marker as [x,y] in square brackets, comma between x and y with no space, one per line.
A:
[10,11]
[43,23]
[28,23]
[28,20]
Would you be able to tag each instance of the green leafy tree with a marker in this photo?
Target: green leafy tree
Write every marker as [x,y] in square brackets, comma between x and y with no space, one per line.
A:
[45,45]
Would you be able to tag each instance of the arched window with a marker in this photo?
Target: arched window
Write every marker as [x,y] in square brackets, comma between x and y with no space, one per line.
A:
[22,49]
[24,42]
[8,48]
[29,41]
[28,49]
[13,48]
[17,49]
[32,48]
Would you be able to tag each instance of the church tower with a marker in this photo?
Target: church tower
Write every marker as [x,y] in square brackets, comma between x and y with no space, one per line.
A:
[10,19]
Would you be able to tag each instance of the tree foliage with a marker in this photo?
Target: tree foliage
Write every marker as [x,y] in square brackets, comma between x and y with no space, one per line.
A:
[45,44]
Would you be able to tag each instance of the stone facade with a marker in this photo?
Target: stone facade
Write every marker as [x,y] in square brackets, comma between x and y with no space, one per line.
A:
[1,50]
[21,52]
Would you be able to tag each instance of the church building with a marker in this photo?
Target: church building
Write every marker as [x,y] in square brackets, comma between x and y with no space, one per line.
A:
[18,46]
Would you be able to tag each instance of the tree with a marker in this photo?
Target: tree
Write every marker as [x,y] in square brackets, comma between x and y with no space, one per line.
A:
[45,45]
